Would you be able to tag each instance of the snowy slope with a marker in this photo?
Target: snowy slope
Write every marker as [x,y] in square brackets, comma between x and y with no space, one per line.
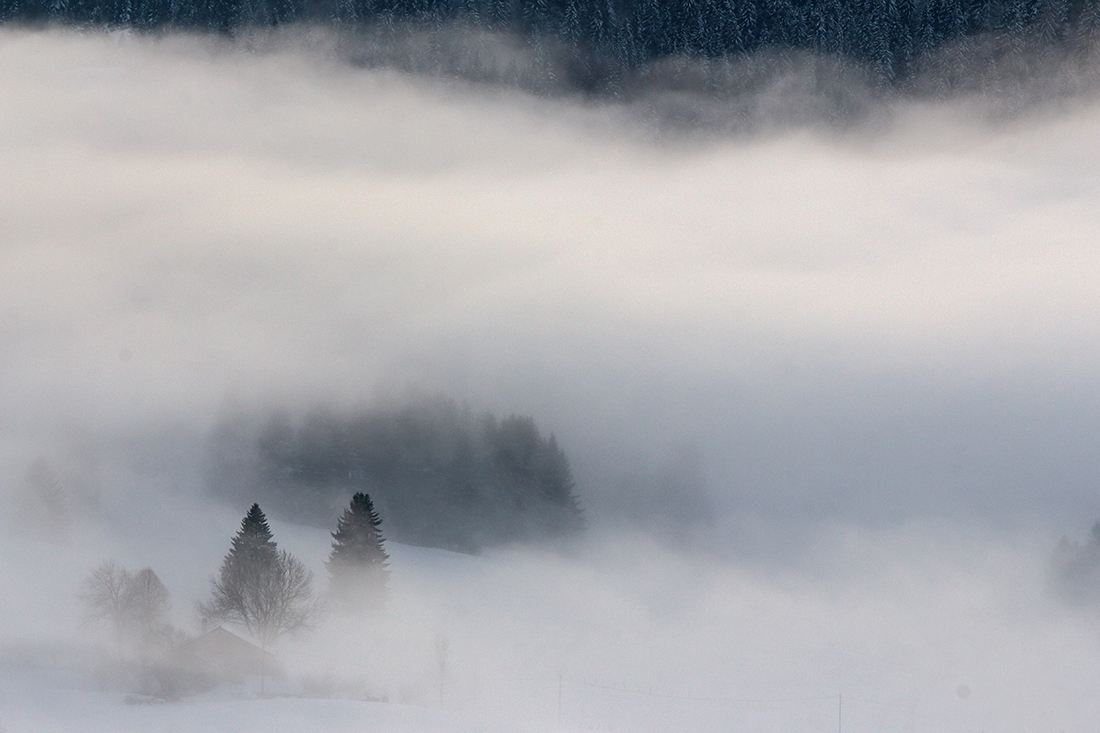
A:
[41,701]
[624,636]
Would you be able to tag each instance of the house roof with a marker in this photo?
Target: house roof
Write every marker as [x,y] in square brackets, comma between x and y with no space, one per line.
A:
[223,651]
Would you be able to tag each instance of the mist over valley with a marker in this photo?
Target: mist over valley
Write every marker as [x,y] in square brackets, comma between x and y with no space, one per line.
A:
[770,402]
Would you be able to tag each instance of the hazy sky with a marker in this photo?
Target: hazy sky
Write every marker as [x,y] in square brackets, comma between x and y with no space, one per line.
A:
[880,343]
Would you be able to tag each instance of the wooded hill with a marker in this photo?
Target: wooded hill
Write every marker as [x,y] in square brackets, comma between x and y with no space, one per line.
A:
[594,43]
[439,475]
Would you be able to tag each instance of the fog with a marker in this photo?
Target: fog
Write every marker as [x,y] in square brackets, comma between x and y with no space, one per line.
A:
[829,391]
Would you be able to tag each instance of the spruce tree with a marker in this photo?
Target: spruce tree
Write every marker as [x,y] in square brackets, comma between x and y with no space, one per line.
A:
[252,552]
[358,564]
[259,587]
[147,602]
[563,516]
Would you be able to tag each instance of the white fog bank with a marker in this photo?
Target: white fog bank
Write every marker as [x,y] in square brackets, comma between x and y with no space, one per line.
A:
[876,323]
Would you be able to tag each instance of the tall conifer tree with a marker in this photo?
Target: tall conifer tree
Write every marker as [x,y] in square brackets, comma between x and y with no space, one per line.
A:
[358,564]
[268,591]
[252,547]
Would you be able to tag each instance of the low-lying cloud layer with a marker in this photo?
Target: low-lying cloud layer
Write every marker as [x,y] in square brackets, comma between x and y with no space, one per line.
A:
[860,341]
[879,323]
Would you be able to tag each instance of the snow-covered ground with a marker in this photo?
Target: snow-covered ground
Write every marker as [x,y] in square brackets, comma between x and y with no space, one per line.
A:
[35,700]
[623,635]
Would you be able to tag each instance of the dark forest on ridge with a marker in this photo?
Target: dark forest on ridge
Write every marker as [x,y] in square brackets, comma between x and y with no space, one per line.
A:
[594,44]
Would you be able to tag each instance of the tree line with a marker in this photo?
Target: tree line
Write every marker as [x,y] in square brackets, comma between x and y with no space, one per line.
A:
[596,40]
[443,476]
[1075,569]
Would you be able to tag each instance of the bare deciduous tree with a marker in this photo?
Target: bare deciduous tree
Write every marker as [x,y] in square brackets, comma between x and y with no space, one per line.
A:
[135,605]
[270,600]
[104,594]
[265,590]
[40,506]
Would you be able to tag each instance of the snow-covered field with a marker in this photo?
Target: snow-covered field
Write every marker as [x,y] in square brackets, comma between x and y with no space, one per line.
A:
[44,701]
[623,635]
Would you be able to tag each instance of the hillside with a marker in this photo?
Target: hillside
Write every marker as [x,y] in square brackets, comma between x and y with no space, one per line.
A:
[628,636]
[45,701]
[440,476]
[595,44]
